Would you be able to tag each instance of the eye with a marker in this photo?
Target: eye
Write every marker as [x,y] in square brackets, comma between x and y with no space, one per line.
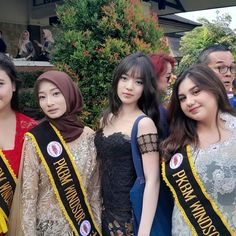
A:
[56,93]
[168,78]
[41,97]
[196,91]
[123,78]
[1,83]
[182,98]
[139,82]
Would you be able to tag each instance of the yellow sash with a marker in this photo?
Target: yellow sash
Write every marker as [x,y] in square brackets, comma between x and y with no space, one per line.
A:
[65,179]
[7,187]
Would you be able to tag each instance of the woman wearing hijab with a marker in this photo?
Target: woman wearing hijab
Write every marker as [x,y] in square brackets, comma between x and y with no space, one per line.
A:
[46,46]
[25,47]
[60,188]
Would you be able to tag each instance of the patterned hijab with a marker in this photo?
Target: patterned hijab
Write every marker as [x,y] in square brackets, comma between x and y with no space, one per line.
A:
[68,124]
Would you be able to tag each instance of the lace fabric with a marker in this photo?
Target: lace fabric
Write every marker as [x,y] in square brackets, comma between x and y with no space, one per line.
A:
[216,167]
[148,143]
[118,176]
[41,214]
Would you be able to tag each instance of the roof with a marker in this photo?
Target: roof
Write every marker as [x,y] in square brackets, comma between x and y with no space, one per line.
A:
[166,7]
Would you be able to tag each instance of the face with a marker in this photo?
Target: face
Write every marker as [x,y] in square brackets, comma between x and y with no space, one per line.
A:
[197,104]
[51,100]
[219,60]
[25,35]
[163,80]
[6,90]
[130,87]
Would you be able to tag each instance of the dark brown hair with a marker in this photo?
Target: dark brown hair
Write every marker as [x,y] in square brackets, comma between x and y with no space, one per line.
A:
[183,130]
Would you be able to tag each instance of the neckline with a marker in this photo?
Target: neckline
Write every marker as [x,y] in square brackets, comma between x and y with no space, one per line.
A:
[125,136]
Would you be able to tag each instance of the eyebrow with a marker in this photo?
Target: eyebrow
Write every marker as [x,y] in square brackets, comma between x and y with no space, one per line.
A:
[191,89]
[50,90]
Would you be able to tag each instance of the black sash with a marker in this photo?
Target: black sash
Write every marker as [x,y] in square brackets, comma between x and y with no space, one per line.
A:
[7,188]
[197,207]
[65,179]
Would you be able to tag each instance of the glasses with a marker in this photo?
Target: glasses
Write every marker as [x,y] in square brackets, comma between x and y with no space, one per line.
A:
[224,69]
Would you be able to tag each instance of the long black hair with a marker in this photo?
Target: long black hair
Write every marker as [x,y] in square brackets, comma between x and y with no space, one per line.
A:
[148,102]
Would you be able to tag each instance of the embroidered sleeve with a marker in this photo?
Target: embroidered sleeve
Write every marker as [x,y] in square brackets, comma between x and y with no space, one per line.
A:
[148,143]
[30,180]
[94,185]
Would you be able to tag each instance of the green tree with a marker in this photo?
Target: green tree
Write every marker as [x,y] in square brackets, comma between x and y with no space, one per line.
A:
[217,31]
[93,36]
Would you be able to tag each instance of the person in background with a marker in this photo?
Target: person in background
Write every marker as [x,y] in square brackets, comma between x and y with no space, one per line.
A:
[59,182]
[163,66]
[46,46]
[3,46]
[200,155]
[133,88]
[233,99]
[13,126]
[220,59]
[25,47]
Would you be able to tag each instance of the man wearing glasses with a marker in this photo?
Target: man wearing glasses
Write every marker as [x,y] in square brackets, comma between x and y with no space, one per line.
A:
[220,59]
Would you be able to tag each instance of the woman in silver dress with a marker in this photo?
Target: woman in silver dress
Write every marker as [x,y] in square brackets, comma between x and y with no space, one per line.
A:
[200,155]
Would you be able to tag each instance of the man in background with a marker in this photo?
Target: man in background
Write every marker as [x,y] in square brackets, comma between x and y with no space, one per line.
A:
[220,59]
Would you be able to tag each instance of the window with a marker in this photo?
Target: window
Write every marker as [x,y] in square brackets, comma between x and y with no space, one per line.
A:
[42,2]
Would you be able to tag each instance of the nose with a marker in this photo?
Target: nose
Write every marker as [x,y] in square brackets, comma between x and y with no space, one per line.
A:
[129,84]
[49,101]
[190,101]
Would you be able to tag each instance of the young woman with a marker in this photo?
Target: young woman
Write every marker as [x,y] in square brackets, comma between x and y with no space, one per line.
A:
[25,47]
[60,188]
[46,46]
[163,66]
[200,155]
[133,94]
[13,126]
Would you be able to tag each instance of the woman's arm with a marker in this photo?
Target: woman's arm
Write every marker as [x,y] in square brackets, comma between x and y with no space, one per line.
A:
[151,169]
[94,183]
[29,187]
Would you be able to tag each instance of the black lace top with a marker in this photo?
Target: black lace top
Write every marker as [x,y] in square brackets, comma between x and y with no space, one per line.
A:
[117,169]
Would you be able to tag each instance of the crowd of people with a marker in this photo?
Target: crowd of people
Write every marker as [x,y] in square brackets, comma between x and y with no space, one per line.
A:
[31,50]
[152,168]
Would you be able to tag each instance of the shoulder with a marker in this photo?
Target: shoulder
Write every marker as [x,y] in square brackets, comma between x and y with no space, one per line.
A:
[146,125]
[230,121]
[87,130]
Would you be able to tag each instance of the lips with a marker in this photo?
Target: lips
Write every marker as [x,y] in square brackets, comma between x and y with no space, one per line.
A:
[128,94]
[52,111]
[193,110]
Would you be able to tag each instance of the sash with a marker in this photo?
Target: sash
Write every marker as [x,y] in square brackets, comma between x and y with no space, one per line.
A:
[197,207]
[65,179]
[7,187]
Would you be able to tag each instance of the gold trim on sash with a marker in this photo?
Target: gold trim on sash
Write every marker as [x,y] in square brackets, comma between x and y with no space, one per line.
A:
[62,207]
[199,182]
[8,193]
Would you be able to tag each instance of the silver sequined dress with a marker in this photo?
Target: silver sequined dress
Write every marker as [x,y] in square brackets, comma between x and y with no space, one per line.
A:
[216,166]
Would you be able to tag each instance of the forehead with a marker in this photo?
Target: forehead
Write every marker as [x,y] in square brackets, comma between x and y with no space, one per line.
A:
[221,58]
[46,85]
[186,85]
[133,72]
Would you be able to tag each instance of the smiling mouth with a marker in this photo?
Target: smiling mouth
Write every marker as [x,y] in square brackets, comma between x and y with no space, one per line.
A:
[193,110]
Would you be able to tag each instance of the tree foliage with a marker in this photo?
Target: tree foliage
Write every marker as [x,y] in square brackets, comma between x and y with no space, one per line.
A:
[93,36]
[217,31]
